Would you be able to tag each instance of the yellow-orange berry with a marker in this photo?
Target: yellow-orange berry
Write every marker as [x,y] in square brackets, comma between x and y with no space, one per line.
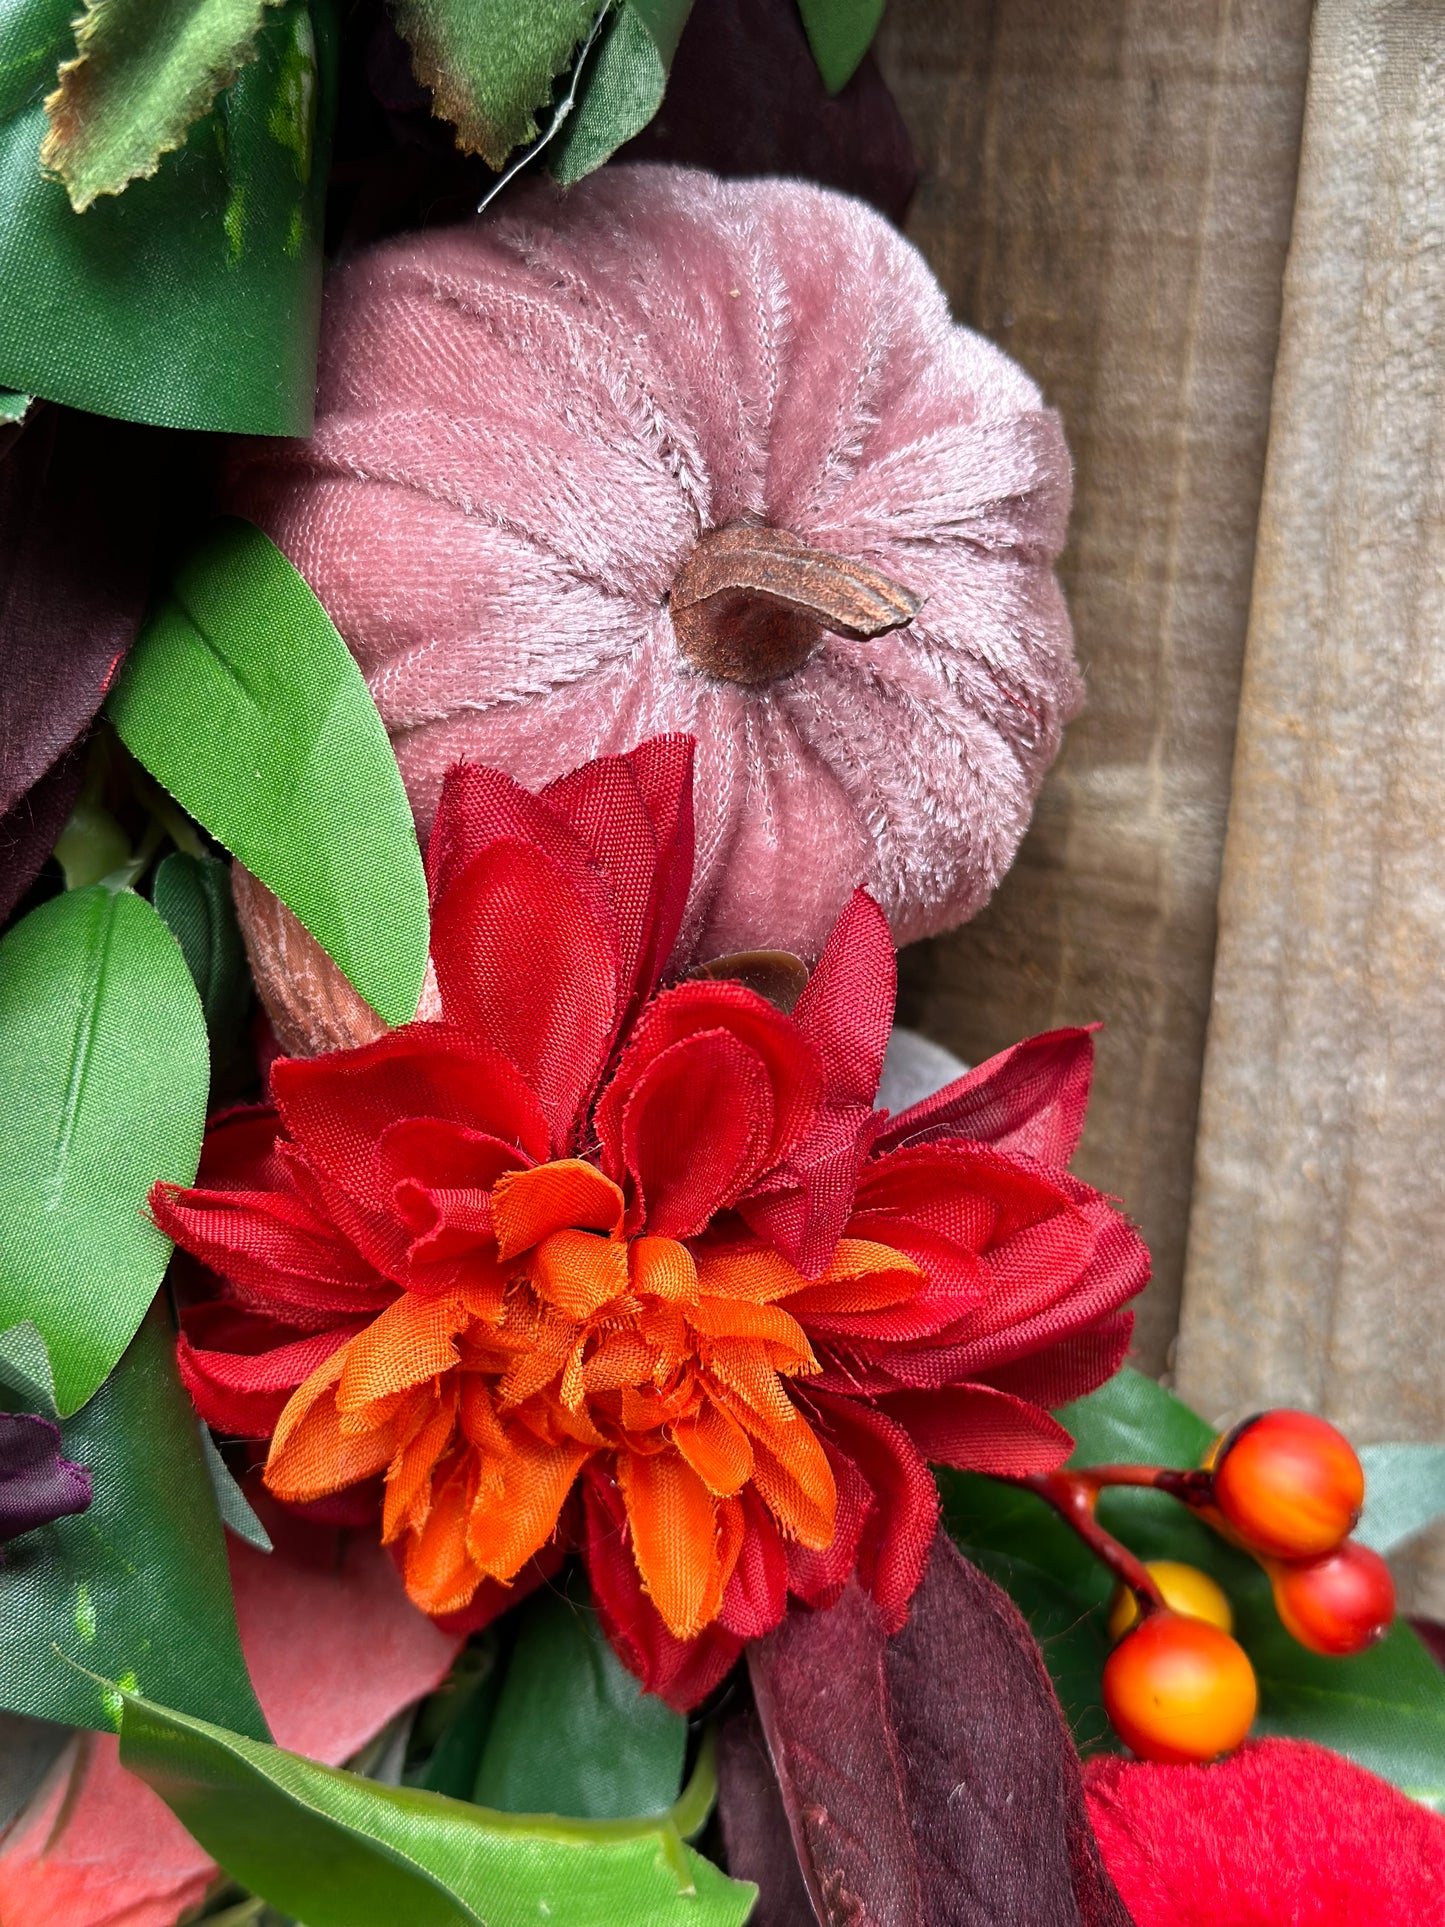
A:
[1289,1484]
[1339,1604]
[1179,1690]
[1185,1589]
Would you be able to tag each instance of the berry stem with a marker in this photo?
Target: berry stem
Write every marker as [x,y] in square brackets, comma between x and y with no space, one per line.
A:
[1073,1495]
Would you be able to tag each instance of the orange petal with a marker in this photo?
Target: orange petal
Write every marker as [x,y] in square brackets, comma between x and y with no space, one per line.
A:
[578,1272]
[551,1346]
[306,1395]
[316,1458]
[758,1398]
[754,1272]
[408,1478]
[441,1575]
[674,1537]
[717,1449]
[477,1409]
[795,1481]
[408,1344]
[777,1334]
[621,1359]
[527,1205]
[863,1276]
[511,1521]
[664,1268]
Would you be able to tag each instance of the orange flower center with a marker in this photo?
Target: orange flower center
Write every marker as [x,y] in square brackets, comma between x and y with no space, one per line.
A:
[569,1340]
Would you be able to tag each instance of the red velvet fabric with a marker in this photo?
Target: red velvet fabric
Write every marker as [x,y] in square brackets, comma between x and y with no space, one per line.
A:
[944,1275]
[1281,1834]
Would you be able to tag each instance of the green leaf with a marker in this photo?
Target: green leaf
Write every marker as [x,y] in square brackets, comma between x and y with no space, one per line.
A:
[241,698]
[25,1374]
[623,86]
[453,1723]
[490,64]
[573,1732]
[104,1066]
[193,896]
[235,1509]
[193,299]
[1385,1708]
[136,1588]
[143,71]
[92,845]
[1404,1492]
[840,32]
[339,1851]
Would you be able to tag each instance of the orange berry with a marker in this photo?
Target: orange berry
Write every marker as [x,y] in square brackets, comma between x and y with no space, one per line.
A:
[1339,1604]
[1179,1690]
[1185,1589]
[1289,1484]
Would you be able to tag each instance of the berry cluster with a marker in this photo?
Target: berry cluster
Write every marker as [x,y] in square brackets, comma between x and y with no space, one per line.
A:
[1285,1487]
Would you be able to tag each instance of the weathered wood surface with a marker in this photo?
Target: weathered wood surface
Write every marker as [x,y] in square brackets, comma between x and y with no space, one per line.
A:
[1107,192]
[1316,1270]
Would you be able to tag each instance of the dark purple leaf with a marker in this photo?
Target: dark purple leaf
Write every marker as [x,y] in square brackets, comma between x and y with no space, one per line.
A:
[29,828]
[755,1827]
[76,518]
[928,1780]
[745,97]
[36,1483]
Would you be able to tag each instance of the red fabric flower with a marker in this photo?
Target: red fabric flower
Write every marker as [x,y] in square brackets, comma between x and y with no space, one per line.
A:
[1280,1832]
[586,1262]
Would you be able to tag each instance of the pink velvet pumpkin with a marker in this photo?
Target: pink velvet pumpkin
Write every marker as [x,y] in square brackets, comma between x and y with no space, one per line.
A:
[526,426]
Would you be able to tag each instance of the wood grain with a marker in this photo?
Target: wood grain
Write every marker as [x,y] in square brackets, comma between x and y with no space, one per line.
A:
[1107,191]
[1317,1244]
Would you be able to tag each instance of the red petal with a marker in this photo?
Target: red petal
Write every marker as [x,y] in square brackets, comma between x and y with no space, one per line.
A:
[274,1246]
[980,1430]
[757,1594]
[846,1013]
[481,806]
[239,1151]
[527,963]
[846,1009]
[695,1128]
[339,1107]
[1075,1366]
[790,1064]
[893,1549]
[634,812]
[818,1578]
[244,1392]
[1030,1099]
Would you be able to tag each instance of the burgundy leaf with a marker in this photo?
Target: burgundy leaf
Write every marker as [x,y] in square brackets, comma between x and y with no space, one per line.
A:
[36,1483]
[822,1696]
[76,523]
[928,1780]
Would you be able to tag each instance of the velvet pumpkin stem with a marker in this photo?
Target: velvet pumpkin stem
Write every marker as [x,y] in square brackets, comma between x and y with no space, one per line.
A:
[751,603]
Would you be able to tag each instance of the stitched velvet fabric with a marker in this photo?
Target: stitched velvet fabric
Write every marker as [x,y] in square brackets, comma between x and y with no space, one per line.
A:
[524,425]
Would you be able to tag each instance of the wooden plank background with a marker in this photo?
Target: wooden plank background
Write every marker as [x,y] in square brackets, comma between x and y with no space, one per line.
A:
[1318,1233]
[1107,191]
[1216,235]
